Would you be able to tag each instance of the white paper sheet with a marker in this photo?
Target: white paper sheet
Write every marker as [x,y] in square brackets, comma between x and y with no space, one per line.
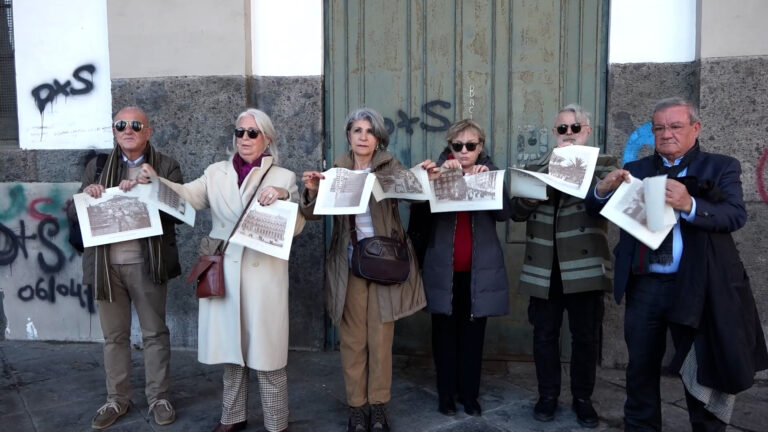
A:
[570,169]
[117,216]
[343,191]
[634,204]
[268,229]
[454,192]
[522,184]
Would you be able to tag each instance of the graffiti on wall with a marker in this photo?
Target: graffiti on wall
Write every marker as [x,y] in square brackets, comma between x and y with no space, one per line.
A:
[47,93]
[41,273]
[432,121]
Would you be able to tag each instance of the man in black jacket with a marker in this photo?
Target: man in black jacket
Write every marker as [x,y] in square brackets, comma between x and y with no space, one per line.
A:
[662,288]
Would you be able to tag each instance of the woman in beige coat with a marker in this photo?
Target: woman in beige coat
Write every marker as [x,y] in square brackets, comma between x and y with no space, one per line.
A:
[248,327]
[365,311]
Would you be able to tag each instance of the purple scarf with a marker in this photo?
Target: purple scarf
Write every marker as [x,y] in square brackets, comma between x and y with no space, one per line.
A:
[242,168]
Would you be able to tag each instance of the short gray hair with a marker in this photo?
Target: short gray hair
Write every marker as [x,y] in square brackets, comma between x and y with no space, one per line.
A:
[377,123]
[264,123]
[582,116]
[693,112]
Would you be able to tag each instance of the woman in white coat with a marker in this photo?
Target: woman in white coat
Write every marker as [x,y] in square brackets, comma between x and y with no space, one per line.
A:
[248,327]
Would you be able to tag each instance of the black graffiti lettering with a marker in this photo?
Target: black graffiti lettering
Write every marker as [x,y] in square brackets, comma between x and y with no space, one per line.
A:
[26,293]
[41,293]
[389,125]
[43,234]
[9,248]
[47,292]
[11,243]
[444,122]
[406,122]
[87,83]
[45,94]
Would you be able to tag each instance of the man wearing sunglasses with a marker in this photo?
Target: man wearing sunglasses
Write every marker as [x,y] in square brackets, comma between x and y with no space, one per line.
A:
[133,271]
[567,267]
[693,284]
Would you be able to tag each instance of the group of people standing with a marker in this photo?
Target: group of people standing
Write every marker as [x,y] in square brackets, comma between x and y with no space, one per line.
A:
[462,280]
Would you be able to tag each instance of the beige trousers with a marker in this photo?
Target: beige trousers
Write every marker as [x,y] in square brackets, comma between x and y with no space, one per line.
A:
[366,346]
[130,283]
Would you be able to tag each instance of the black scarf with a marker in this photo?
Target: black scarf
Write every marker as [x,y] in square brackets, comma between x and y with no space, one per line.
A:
[663,255]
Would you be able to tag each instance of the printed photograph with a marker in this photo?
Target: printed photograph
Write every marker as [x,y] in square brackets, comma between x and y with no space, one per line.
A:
[403,181]
[170,198]
[118,214]
[347,188]
[570,170]
[265,227]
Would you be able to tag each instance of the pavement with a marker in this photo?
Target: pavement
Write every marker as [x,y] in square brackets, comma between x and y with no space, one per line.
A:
[58,386]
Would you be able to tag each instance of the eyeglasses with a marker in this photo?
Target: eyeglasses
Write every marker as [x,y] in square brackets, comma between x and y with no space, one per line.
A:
[563,128]
[674,128]
[136,125]
[456,146]
[252,133]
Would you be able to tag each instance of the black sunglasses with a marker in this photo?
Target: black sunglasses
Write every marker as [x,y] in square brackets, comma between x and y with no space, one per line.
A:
[563,128]
[252,133]
[136,125]
[456,146]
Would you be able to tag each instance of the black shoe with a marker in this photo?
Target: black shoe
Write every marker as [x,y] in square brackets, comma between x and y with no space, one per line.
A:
[471,407]
[585,413]
[379,422]
[358,420]
[446,405]
[545,408]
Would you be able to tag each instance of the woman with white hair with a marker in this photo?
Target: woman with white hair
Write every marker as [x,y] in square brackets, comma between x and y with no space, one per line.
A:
[247,328]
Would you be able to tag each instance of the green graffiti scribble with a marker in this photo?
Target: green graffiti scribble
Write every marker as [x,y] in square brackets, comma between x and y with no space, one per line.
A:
[17,203]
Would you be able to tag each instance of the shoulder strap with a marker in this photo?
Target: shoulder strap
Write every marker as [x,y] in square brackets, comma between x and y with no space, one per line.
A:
[255,191]
[101,160]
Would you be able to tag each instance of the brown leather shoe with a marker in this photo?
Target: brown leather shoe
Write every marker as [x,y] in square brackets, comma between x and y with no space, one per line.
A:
[234,427]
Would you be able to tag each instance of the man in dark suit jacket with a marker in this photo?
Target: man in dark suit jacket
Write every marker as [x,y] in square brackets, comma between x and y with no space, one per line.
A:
[656,282]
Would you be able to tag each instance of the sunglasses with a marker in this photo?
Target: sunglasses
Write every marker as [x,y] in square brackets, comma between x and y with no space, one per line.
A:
[471,146]
[563,128]
[252,133]
[136,125]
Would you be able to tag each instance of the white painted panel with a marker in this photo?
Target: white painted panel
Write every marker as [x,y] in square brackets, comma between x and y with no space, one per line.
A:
[287,37]
[734,28]
[653,31]
[63,85]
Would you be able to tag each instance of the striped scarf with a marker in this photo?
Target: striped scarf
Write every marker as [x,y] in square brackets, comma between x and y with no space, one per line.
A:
[111,176]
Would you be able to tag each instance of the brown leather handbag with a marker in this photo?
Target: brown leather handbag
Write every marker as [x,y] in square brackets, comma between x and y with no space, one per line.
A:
[208,271]
[379,259]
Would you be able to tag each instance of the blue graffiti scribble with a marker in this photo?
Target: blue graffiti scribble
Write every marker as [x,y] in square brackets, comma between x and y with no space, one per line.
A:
[642,136]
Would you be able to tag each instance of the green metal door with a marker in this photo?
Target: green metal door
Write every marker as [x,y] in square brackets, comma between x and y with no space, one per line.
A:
[424,64]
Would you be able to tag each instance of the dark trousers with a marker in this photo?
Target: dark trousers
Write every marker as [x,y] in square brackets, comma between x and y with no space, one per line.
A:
[457,344]
[649,300]
[585,316]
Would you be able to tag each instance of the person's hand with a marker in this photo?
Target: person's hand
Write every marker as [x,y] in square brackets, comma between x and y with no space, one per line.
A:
[452,164]
[474,169]
[146,173]
[433,171]
[270,194]
[530,201]
[612,181]
[126,185]
[94,190]
[311,181]
[677,196]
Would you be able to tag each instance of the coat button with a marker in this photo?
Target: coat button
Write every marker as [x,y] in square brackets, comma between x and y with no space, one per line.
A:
[529,258]
[581,229]
[584,251]
[255,264]
[222,225]
[530,236]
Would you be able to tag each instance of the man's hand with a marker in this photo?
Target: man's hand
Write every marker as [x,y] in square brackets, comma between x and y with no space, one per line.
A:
[677,196]
[612,181]
[94,190]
